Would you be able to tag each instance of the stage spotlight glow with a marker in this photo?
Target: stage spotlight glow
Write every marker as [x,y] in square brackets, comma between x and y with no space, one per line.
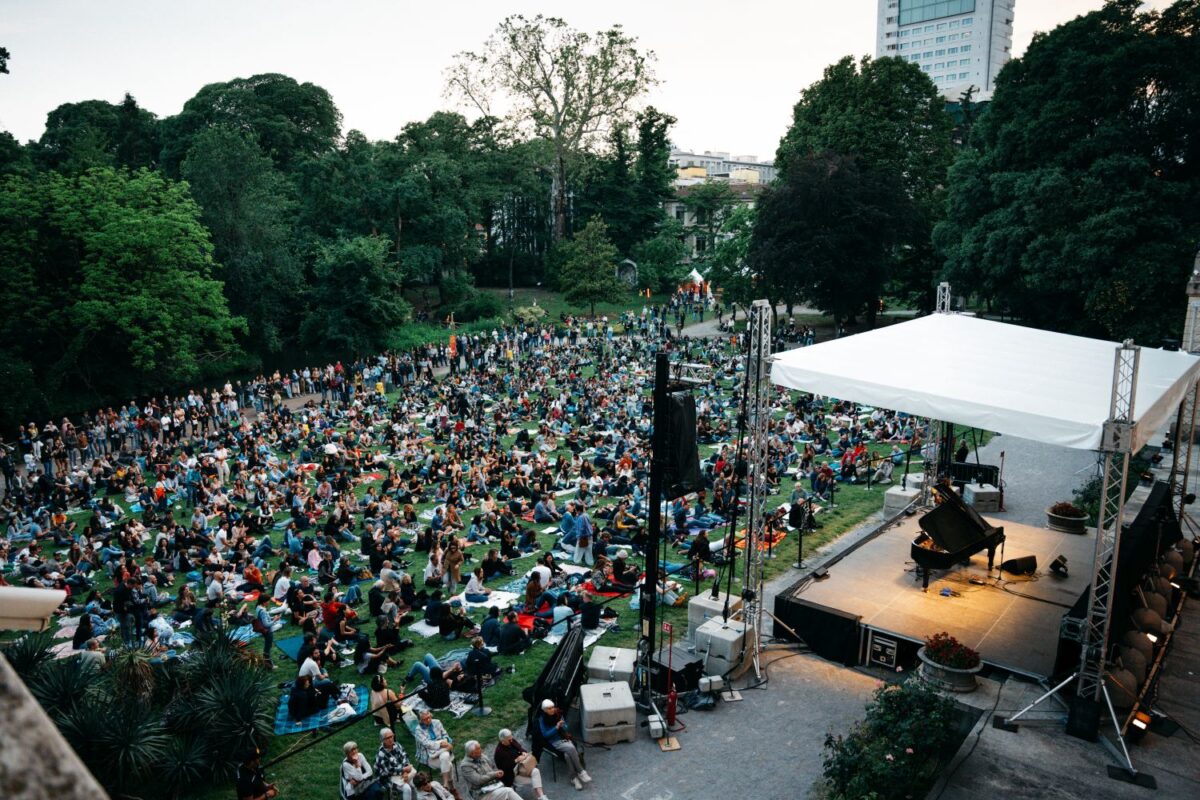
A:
[1141,720]
[1153,639]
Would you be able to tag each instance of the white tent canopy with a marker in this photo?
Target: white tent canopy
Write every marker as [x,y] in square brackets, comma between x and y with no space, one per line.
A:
[1022,381]
[695,277]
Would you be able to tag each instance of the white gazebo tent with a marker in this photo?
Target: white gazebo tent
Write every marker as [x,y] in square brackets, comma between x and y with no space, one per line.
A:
[1067,390]
[1020,381]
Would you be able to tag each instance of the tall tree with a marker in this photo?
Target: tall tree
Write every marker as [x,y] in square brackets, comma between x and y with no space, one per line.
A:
[653,175]
[1077,204]
[825,232]
[248,209]
[290,121]
[358,293]
[96,133]
[889,116]
[588,272]
[710,204]
[729,262]
[4,56]
[564,85]
[607,190]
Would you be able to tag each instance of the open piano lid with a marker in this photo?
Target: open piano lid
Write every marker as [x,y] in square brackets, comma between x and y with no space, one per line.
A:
[954,525]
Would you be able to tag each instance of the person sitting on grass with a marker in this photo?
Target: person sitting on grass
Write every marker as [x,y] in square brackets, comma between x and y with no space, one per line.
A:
[513,640]
[476,592]
[479,661]
[427,789]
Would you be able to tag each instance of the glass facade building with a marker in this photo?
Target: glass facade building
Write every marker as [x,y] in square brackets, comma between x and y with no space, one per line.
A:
[912,11]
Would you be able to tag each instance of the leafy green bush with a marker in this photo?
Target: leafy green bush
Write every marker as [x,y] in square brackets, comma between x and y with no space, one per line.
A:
[529,315]
[894,752]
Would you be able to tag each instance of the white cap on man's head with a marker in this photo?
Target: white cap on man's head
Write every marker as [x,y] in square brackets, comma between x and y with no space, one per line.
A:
[547,704]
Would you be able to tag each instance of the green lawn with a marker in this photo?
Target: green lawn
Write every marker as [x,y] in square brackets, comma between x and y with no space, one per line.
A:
[555,305]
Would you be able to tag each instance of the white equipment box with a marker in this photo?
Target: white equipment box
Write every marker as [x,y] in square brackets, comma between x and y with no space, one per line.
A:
[984,498]
[703,607]
[719,642]
[609,664]
[606,713]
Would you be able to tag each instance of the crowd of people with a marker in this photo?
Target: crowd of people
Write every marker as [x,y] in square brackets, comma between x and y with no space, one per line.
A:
[265,504]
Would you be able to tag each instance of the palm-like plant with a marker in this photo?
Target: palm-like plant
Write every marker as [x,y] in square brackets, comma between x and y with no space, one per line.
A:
[132,674]
[185,765]
[238,713]
[29,654]
[61,685]
[122,743]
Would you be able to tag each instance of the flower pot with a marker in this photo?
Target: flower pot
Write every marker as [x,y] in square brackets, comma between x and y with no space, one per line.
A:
[951,679]
[1057,522]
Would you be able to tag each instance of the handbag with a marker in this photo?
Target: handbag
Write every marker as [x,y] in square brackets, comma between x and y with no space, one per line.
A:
[527,765]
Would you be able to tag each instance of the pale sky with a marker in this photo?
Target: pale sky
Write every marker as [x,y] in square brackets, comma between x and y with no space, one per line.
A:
[730,71]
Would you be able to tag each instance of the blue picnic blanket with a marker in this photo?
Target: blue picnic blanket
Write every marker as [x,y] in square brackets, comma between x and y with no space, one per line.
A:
[290,647]
[285,725]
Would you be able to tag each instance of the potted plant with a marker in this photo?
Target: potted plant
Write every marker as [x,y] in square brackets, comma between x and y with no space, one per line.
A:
[949,664]
[1067,518]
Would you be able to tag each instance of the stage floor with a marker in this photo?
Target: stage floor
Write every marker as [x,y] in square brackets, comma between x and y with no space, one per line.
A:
[1013,623]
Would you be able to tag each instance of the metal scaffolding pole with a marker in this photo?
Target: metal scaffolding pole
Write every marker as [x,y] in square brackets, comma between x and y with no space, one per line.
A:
[1181,461]
[758,421]
[1116,445]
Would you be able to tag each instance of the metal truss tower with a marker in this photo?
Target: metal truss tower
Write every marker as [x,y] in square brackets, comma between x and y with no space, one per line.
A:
[758,425]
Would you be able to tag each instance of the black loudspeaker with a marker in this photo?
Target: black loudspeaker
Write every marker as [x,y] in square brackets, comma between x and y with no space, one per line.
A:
[1025,565]
[682,473]
[686,669]
[796,515]
[1083,718]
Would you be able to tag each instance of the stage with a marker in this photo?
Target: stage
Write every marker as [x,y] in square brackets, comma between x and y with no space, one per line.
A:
[871,608]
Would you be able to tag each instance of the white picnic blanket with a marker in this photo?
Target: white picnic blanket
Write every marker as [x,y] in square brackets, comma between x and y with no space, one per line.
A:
[423,628]
[497,598]
[589,637]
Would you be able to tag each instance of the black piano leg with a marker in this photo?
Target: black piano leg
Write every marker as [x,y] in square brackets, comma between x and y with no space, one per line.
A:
[925,575]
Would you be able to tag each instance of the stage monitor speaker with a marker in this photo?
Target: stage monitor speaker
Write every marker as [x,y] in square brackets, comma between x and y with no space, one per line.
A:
[682,474]
[686,669]
[1025,565]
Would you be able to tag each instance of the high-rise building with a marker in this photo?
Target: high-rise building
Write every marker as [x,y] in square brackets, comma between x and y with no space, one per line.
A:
[958,43]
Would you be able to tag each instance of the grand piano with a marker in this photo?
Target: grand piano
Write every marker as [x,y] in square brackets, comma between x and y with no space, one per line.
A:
[952,533]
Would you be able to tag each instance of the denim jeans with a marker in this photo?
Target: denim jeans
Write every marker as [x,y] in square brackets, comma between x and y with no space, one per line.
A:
[422,667]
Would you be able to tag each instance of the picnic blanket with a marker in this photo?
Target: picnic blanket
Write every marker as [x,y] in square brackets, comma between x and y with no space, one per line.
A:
[285,725]
[589,637]
[290,647]
[460,704]
[498,598]
[423,628]
[67,629]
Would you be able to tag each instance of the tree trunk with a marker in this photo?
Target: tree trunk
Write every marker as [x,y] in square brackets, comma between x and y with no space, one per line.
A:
[560,197]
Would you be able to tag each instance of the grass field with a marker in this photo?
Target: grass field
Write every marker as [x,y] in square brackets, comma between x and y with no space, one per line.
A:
[311,772]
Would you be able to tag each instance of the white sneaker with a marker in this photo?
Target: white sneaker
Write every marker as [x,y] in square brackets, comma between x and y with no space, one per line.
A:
[578,784]
[583,776]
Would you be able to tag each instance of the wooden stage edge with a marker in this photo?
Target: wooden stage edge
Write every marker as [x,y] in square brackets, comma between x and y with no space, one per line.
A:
[1013,621]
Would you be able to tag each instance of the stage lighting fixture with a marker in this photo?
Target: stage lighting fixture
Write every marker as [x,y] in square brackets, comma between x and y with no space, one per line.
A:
[1189,498]
[1059,566]
[1153,639]
[1141,721]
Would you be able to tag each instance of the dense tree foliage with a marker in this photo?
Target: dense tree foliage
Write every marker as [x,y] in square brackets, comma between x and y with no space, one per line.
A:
[1077,204]
[290,121]
[357,290]
[94,133]
[889,116]
[110,287]
[826,233]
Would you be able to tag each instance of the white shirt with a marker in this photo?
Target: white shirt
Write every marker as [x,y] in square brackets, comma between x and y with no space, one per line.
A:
[281,588]
[543,573]
[310,668]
